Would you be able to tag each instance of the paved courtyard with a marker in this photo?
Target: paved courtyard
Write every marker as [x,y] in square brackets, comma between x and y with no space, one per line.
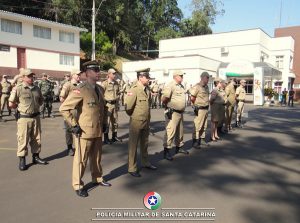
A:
[251,176]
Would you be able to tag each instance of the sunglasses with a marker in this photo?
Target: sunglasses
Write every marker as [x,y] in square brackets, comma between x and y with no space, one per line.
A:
[96,69]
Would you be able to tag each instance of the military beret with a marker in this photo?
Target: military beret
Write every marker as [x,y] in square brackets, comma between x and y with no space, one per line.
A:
[75,71]
[242,81]
[178,73]
[143,72]
[93,65]
[204,74]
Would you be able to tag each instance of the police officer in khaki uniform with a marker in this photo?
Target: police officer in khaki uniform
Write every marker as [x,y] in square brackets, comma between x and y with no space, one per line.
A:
[87,99]
[230,93]
[5,92]
[240,95]
[154,94]
[111,96]
[68,87]
[200,99]
[28,99]
[174,100]
[137,106]
[217,102]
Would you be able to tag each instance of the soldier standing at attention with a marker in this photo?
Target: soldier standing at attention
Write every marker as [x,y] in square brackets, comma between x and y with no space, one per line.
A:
[174,100]
[46,88]
[88,100]
[65,91]
[111,96]
[5,92]
[67,79]
[240,96]
[154,94]
[229,108]
[28,99]
[200,100]
[137,106]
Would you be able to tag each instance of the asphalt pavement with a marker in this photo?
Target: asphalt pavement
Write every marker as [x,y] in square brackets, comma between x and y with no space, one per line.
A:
[251,176]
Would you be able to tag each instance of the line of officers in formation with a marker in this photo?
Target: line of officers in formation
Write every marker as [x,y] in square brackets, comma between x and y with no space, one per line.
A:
[90,110]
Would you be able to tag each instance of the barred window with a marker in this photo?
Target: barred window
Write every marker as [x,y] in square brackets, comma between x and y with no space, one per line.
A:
[66,59]
[41,32]
[11,26]
[66,37]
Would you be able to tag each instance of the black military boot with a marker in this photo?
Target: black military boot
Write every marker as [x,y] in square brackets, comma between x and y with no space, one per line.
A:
[70,150]
[167,154]
[37,160]
[115,138]
[106,139]
[22,163]
[180,150]
[196,144]
[237,124]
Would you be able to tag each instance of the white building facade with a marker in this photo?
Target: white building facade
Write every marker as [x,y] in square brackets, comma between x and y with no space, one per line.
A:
[41,45]
[249,54]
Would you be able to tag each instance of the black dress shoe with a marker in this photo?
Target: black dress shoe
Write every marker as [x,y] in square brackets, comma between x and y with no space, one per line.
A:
[180,150]
[167,154]
[22,163]
[70,150]
[135,174]
[82,193]
[37,160]
[115,138]
[151,167]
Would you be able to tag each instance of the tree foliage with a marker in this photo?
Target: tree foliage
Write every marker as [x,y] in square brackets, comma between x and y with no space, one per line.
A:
[127,25]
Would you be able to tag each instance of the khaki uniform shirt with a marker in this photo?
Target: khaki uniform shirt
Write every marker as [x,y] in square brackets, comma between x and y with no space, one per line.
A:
[28,98]
[176,93]
[137,103]
[201,93]
[67,88]
[155,88]
[6,87]
[230,93]
[218,95]
[241,92]
[90,110]
[111,90]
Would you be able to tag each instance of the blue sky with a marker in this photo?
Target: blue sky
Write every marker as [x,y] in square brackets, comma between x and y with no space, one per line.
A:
[248,14]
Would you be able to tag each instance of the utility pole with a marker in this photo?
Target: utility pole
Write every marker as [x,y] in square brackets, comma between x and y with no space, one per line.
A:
[93,32]
[94,14]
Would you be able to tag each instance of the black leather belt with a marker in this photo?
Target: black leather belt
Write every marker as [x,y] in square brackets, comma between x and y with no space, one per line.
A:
[177,111]
[5,93]
[112,102]
[30,115]
[203,107]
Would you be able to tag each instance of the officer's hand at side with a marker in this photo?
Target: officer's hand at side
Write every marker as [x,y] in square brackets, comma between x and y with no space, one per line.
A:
[76,130]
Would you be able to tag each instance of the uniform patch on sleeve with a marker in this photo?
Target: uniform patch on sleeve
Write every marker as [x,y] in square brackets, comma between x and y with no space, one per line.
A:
[76,91]
[129,94]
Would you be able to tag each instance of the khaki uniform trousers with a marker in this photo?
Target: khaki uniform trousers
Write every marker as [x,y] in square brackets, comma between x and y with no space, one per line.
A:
[4,100]
[138,133]
[174,131]
[240,110]
[89,149]
[200,124]
[229,112]
[111,112]
[29,131]
[68,132]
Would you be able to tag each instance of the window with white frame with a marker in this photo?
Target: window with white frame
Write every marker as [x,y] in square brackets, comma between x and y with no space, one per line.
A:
[11,26]
[66,59]
[66,37]
[41,32]
[279,62]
